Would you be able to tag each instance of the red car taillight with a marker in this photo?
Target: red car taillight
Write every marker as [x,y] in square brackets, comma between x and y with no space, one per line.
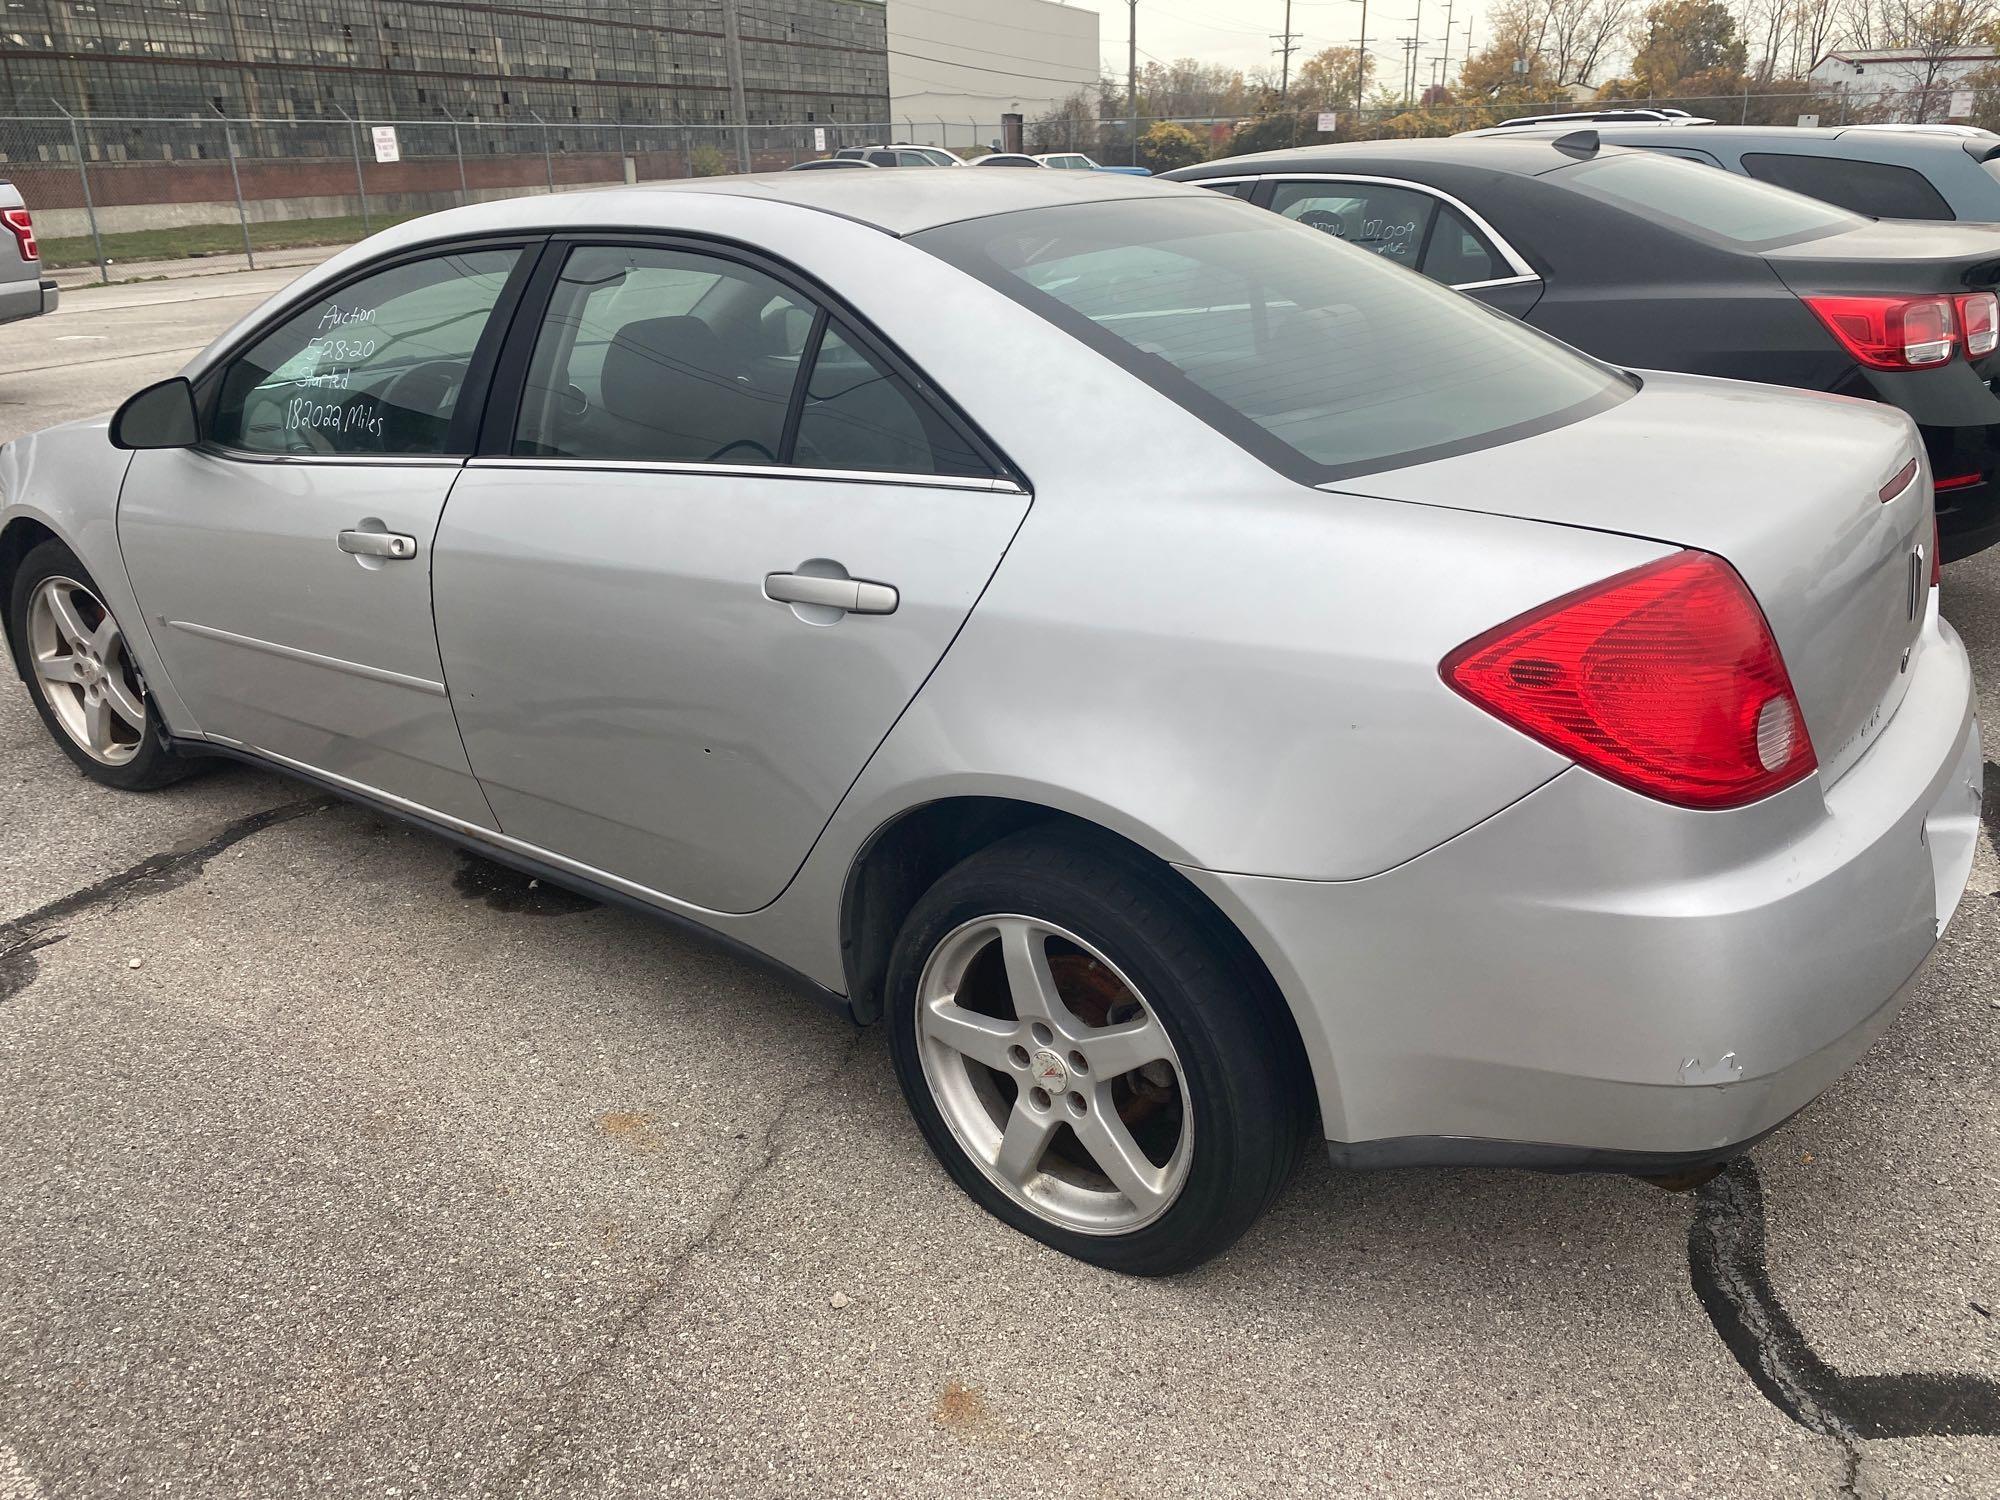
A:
[1979,320]
[1891,333]
[1665,679]
[23,225]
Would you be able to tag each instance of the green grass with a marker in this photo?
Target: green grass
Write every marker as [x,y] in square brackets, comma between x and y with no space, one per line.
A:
[209,239]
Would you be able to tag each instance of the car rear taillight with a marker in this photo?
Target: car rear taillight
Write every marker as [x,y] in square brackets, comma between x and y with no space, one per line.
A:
[1665,679]
[22,223]
[1979,321]
[1891,333]
[1955,481]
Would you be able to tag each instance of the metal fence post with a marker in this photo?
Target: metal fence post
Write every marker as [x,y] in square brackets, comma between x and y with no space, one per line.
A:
[83,177]
[235,177]
[458,150]
[360,183]
[548,161]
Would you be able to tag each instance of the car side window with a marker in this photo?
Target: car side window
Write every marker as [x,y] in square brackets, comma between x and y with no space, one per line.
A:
[373,368]
[1875,188]
[859,415]
[662,355]
[883,158]
[1458,254]
[649,354]
[1390,221]
[1230,189]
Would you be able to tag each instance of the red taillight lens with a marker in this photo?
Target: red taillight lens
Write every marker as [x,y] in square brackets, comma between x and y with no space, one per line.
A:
[1955,481]
[1665,679]
[23,226]
[1891,333]
[1979,323]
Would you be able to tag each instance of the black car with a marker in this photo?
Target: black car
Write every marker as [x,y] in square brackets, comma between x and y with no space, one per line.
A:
[1653,263]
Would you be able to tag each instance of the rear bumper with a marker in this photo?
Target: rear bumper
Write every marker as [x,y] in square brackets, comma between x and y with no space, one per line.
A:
[27,299]
[1591,979]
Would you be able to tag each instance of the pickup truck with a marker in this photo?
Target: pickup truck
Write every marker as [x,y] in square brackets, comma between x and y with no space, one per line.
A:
[24,291]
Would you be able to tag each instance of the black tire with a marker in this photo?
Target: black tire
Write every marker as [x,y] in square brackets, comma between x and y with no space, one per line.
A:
[1246,1086]
[152,765]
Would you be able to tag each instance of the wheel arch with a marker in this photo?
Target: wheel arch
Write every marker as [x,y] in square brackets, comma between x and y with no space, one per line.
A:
[907,853]
[18,538]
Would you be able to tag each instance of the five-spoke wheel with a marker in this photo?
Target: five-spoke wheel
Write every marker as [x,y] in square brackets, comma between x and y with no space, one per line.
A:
[1054,1073]
[86,683]
[77,652]
[1091,1054]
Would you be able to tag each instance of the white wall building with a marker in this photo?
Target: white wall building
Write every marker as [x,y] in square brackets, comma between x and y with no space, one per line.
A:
[957,66]
[1913,84]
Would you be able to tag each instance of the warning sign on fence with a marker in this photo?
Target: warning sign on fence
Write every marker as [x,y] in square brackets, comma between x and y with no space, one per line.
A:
[386,148]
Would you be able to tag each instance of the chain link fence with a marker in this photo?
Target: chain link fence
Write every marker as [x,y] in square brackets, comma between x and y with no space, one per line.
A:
[109,191]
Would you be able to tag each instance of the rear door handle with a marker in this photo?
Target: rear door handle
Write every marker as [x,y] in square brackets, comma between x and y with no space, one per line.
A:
[390,544]
[857,596]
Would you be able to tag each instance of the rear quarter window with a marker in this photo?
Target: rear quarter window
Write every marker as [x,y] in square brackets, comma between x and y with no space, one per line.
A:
[1320,359]
[1878,189]
[1720,207]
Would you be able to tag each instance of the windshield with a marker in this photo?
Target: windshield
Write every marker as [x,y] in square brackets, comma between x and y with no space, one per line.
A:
[1716,205]
[1321,359]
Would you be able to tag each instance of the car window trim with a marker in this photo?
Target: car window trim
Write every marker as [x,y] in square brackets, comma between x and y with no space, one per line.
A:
[1516,262]
[509,387]
[466,416]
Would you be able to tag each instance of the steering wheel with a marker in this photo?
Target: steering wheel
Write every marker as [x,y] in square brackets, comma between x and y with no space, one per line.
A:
[768,456]
[426,390]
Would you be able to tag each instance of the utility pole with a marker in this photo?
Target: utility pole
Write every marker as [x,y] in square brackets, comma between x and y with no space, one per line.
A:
[1417,33]
[732,43]
[1287,44]
[1361,65]
[1132,77]
[1444,72]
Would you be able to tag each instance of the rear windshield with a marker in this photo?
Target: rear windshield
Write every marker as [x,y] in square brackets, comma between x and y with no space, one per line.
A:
[1321,359]
[1716,206]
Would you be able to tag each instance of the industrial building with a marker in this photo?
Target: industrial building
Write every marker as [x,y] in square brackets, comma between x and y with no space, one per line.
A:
[957,66]
[642,62]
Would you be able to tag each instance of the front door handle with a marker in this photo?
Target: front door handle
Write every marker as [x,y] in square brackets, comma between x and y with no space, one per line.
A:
[390,544]
[856,596]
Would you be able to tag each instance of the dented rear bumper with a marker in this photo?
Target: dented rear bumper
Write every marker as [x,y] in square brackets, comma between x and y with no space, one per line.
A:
[1593,979]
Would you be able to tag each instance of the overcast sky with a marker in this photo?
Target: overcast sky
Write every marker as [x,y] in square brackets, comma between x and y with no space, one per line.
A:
[1242,33]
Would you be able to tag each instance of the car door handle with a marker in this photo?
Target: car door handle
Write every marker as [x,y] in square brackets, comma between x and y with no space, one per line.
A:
[856,596]
[390,544]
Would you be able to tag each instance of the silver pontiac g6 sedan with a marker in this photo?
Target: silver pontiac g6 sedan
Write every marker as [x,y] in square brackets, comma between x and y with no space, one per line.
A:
[1189,678]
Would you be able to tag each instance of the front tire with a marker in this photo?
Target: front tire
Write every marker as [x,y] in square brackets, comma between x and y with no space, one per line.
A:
[72,654]
[1089,1057]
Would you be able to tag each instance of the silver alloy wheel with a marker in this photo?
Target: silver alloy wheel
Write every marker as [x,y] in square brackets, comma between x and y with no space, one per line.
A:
[1054,1074]
[86,676]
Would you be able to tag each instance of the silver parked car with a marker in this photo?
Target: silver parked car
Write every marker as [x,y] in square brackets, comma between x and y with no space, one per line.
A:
[1202,691]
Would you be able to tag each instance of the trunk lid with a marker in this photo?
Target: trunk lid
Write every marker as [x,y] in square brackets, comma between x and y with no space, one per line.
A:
[1892,256]
[1784,485]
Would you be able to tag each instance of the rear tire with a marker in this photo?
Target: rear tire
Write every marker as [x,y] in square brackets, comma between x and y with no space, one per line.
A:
[1091,1059]
[71,652]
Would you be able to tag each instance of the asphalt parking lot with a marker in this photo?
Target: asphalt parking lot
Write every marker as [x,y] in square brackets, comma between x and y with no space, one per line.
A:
[333,1161]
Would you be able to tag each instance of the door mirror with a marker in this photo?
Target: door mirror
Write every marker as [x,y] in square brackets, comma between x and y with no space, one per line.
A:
[160,416]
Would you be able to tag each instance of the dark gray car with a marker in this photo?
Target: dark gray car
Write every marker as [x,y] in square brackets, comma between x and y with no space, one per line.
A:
[1934,172]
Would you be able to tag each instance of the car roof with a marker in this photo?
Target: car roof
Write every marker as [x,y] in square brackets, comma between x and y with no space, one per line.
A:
[898,203]
[1691,136]
[1523,151]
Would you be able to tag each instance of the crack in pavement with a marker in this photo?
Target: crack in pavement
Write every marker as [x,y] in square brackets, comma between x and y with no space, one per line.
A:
[555,1419]
[152,875]
[1727,1266]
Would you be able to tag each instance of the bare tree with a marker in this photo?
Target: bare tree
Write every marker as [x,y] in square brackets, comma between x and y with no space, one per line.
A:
[1938,33]
[1566,41]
